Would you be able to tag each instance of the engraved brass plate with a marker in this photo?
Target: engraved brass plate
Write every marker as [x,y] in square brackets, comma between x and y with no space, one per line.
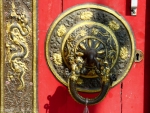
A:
[18,56]
[82,29]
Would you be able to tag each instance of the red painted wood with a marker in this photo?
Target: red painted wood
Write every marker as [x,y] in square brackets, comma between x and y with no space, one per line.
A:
[128,99]
[133,84]
[48,10]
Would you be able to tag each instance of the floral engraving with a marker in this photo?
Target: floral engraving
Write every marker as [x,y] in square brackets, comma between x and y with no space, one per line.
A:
[95,31]
[83,32]
[124,53]
[114,25]
[57,58]
[87,15]
[61,30]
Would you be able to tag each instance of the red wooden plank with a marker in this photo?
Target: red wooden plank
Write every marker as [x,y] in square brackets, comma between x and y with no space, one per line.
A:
[118,5]
[48,10]
[133,85]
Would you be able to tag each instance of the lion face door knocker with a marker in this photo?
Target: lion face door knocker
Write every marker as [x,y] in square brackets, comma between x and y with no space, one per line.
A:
[90,48]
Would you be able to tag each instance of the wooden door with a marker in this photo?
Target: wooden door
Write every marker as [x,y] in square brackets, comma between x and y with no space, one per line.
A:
[126,97]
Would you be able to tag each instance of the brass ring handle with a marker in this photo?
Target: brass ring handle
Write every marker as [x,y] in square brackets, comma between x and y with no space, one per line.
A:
[84,65]
[80,99]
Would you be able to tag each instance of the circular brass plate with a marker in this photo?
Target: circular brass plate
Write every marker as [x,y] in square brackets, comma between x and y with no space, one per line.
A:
[95,26]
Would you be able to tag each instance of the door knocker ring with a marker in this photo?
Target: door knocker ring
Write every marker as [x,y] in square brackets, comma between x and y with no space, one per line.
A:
[90,48]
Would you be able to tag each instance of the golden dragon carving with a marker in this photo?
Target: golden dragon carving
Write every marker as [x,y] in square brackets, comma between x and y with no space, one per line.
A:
[17,48]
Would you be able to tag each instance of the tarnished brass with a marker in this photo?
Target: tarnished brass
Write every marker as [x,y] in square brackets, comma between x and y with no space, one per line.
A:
[18,56]
[88,47]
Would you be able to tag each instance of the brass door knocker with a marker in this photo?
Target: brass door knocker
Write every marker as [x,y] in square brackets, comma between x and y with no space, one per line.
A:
[90,48]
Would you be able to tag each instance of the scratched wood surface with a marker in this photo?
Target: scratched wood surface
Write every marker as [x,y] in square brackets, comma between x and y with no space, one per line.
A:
[126,97]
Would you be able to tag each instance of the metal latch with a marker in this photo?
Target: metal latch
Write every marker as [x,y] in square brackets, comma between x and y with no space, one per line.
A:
[134,4]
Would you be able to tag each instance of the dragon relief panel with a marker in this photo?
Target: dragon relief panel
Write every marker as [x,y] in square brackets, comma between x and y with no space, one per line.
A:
[18,90]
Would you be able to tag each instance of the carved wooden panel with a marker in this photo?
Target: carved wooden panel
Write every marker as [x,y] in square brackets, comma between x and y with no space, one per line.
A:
[18,56]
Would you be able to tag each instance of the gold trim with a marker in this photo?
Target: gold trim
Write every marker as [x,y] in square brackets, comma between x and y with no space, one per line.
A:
[2,58]
[35,43]
[84,6]
[34,62]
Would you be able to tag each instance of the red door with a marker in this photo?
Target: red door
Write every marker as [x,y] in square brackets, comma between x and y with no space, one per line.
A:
[127,96]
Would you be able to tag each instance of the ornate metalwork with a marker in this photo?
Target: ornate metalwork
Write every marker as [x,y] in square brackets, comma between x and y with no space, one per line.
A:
[96,47]
[87,15]
[124,53]
[113,25]
[57,58]
[18,43]
[17,46]
[61,30]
